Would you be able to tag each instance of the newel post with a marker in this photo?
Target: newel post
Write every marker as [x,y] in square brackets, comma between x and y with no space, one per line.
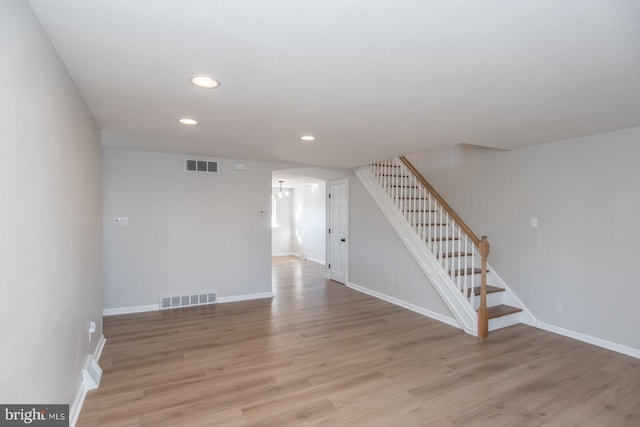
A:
[483,315]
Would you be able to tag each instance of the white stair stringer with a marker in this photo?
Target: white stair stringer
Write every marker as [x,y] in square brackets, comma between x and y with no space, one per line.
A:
[453,298]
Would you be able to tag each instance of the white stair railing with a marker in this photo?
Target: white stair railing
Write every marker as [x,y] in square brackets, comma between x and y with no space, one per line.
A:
[457,250]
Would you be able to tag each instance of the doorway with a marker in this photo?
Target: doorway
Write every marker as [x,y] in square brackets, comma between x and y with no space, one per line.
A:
[311,217]
[298,221]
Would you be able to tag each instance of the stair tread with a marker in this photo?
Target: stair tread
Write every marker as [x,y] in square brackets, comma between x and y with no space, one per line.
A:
[490,290]
[469,271]
[456,254]
[501,310]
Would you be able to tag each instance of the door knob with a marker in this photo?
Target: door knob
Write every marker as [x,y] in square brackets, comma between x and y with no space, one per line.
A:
[343,240]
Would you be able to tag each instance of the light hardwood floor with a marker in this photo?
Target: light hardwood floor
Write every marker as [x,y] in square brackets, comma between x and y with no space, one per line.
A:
[320,353]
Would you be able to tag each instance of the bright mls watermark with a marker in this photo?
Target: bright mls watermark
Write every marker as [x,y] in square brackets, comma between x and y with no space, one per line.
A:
[36,415]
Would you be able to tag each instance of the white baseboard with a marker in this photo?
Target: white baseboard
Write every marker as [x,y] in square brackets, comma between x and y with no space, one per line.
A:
[76,406]
[308,258]
[420,310]
[609,345]
[236,298]
[316,260]
[130,310]
[97,353]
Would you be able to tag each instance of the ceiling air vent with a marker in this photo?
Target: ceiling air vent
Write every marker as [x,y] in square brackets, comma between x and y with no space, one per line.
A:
[201,166]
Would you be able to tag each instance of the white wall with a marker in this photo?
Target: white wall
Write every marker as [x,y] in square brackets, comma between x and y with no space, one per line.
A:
[585,193]
[376,255]
[187,231]
[281,237]
[309,221]
[50,218]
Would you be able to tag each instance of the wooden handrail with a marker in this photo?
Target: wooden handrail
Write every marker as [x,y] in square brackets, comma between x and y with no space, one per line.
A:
[444,204]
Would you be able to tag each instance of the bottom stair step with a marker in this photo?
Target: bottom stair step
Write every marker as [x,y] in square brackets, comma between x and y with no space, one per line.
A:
[501,310]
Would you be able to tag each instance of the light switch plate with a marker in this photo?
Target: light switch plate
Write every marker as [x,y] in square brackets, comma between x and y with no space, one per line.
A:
[121,221]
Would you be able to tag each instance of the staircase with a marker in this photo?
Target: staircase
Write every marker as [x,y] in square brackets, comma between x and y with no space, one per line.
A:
[451,255]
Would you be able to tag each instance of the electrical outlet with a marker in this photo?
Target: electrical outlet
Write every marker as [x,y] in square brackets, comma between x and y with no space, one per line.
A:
[534,222]
[393,281]
[558,307]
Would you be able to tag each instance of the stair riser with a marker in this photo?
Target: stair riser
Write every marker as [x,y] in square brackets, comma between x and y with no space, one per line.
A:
[434,221]
[422,220]
[494,298]
[456,244]
[422,224]
[504,321]
[474,279]
[409,197]
[417,204]
[408,192]
[397,181]
[435,225]
[393,179]
[457,262]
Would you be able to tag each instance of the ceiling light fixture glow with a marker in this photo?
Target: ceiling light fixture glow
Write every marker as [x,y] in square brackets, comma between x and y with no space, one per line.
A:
[281,194]
[204,82]
[187,121]
[308,138]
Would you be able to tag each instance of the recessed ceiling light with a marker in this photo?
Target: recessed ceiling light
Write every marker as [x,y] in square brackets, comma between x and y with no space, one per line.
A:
[308,138]
[187,121]
[205,82]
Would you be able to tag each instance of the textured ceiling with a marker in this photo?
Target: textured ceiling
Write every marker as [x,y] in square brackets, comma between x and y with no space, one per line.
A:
[371,79]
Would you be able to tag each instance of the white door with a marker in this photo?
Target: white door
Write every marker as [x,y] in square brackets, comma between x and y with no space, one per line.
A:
[338,231]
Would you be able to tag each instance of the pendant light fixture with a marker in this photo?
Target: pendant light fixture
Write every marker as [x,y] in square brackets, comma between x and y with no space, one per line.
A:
[281,193]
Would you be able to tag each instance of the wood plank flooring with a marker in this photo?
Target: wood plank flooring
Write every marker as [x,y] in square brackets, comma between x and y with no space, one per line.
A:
[322,354]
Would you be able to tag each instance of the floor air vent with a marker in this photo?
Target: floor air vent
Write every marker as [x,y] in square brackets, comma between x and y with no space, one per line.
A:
[189,300]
